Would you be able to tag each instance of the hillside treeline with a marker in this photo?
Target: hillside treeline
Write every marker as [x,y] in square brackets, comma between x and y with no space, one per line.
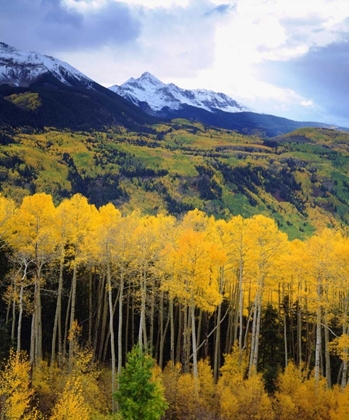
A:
[222,306]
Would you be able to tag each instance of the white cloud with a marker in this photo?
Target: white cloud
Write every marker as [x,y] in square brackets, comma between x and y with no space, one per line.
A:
[308,103]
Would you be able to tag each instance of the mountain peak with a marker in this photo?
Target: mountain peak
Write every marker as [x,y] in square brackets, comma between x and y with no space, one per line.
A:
[158,95]
[20,68]
[148,76]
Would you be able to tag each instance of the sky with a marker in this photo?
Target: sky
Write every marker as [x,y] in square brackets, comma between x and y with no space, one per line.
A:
[283,57]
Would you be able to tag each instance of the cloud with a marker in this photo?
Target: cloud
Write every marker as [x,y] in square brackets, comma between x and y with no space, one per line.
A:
[221,9]
[321,74]
[50,25]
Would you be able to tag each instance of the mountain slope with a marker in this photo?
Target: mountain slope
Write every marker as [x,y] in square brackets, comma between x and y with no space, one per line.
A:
[40,91]
[300,179]
[158,95]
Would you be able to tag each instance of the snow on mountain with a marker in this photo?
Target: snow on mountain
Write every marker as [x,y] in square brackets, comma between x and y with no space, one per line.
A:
[19,68]
[148,89]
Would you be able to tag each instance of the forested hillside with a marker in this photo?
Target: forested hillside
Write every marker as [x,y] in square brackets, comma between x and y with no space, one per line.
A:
[81,286]
[300,180]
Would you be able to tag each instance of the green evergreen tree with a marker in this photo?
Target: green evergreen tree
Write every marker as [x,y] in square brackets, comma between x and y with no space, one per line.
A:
[140,395]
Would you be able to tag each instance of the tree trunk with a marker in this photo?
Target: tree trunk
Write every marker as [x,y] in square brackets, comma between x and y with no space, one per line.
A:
[217,348]
[172,333]
[318,343]
[120,326]
[327,353]
[20,316]
[194,347]
[72,317]
[299,333]
[112,339]
[57,321]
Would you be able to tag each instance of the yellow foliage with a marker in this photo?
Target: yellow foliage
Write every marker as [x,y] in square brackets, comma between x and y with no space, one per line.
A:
[340,346]
[180,394]
[71,404]
[300,398]
[239,398]
[195,264]
[7,208]
[15,391]
[340,407]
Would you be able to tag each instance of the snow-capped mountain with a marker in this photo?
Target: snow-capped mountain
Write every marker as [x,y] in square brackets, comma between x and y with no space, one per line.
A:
[149,90]
[19,68]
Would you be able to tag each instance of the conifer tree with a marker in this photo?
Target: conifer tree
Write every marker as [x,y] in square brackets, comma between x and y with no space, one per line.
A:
[140,395]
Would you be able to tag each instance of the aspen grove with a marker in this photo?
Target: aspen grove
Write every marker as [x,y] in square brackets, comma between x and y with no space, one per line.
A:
[240,321]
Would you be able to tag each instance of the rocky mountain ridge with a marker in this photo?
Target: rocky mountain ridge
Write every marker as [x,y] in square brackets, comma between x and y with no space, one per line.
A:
[148,89]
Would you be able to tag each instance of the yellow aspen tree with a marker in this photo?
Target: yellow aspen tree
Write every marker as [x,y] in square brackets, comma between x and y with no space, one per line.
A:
[123,255]
[267,245]
[34,237]
[320,273]
[62,224]
[81,221]
[98,245]
[293,287]
[238,242]
[194,265]
[147,246]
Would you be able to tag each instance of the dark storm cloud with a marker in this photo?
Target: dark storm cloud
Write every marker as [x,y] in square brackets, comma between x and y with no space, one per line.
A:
[46,25]
[322,75]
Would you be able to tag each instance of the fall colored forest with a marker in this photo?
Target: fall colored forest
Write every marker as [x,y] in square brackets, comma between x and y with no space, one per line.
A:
[222,319]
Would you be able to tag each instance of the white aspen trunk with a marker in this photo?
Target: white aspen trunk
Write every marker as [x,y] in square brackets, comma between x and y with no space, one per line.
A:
[90,308]
[253,340]
[327,354]
[100,297]
[112,338]
[32,341]
[163,332]
[318,344]
[104,325]
[199,327]
[285,340]
[194,346]
[172,331]
[66,325]
[57,320]
[240,303]
[257,333]
[120,326]
[13,326]
[299,333]
[20,316]
[72,317]
[344,373]
[151,322]
[142,333]
[107,339]
[217,349]
[186,338]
